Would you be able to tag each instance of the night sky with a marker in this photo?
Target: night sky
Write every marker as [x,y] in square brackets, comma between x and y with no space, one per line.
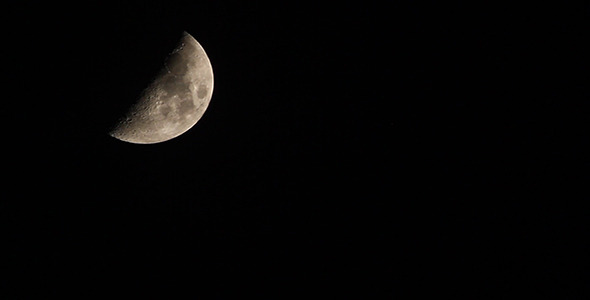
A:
[348,149]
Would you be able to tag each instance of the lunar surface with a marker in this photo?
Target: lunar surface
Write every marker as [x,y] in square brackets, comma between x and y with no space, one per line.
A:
[175,100]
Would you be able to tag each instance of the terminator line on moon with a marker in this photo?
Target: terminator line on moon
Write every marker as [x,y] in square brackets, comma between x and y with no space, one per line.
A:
[175,100]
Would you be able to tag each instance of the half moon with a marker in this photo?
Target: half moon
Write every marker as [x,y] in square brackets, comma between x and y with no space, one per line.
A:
[174,101]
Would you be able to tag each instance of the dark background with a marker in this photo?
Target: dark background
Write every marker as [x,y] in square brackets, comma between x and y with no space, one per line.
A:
[349,149]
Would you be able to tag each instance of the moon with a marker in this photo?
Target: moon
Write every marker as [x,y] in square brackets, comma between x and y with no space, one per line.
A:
[174,101]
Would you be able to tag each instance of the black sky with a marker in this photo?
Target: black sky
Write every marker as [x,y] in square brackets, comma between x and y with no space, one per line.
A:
[349,149]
